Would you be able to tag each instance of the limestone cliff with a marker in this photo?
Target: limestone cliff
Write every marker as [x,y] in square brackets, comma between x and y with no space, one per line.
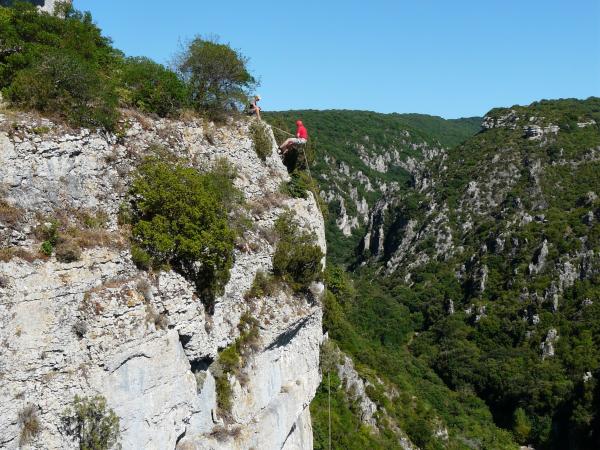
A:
[143,340]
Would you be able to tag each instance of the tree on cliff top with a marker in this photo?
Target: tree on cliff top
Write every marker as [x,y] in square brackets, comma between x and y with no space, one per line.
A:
[216,74]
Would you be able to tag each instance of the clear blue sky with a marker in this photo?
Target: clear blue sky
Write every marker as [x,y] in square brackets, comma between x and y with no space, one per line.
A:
[449,58]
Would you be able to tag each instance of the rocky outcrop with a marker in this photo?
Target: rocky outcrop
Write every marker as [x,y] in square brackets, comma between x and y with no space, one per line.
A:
[356,388]
[547,346]
[143,340]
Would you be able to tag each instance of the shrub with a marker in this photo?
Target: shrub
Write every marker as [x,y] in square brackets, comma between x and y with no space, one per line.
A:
[264,285]
[297,258]
[521,426]
[179,218]
[90,423]
[47,248]
[263,146]
[141,258]
[65,84]
[29,423]
[58,65]
[330,356]
[299,185]
[48,233]
[216,74]
[232,359]
[151,87]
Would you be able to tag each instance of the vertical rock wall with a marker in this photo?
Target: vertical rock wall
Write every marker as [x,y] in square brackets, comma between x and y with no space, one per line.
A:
[98,326]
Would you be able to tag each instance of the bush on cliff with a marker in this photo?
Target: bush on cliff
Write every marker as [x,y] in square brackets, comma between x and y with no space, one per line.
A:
[263,146]
[89,422]
[179,219]
[65,84]
[297,258]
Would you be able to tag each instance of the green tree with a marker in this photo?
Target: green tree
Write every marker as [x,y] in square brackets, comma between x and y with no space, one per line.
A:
[90,423]
[216,74]
[58,65]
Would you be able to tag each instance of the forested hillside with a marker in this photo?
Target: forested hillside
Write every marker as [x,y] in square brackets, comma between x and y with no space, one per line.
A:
[474,284]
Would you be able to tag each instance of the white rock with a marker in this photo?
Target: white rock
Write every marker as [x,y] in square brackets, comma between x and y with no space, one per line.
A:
[153,376]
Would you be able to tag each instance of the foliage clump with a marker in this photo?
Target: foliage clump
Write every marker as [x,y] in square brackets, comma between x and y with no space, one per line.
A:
[91,424]
[179,219]
[62,65]
[232,359]
[69,232]
[151,87]
[264,284]
[216,75]
[58,65]
[263,146]
[298,257]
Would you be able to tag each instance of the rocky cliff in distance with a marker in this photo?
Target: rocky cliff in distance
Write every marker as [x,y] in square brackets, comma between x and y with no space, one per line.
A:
[143,340]
[496,248]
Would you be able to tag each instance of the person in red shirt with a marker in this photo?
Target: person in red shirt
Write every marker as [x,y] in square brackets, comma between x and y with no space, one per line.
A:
[300,139]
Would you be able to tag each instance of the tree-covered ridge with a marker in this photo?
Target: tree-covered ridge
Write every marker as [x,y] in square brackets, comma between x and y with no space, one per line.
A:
[62,65]
[497,260]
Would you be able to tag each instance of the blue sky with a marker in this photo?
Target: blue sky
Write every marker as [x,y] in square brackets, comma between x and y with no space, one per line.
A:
[448,58]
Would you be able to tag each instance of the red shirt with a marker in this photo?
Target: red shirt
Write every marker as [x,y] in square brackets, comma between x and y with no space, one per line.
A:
[301,132]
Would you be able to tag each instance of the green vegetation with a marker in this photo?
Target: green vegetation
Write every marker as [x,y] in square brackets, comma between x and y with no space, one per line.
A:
[547,402]
[70,232]
[58,66]
[297,258]
[261,140]
[91,424]
[66,68]
[370,325]
[264,284]
[48,233]
[300,185]
[231,360]
[152,88]
[216,76]
[479,369]
[179,219]
[296,262]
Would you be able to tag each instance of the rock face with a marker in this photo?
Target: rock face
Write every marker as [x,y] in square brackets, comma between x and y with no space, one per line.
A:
[144,341]
[357,389]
